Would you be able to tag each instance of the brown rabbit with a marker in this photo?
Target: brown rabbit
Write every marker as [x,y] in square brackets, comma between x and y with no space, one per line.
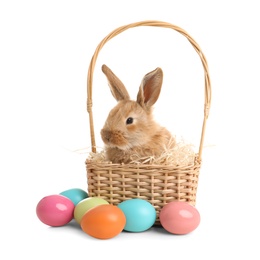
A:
[130,131]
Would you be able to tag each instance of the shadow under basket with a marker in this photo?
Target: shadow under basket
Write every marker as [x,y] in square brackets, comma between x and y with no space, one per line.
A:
[158,184]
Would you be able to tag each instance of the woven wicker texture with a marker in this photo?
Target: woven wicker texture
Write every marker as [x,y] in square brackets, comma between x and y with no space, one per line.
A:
[158,184]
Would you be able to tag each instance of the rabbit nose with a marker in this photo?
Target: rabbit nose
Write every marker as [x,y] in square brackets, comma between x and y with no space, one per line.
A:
[106,135]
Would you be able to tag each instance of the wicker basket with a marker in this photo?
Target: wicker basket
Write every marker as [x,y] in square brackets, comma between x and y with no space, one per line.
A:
[158,184]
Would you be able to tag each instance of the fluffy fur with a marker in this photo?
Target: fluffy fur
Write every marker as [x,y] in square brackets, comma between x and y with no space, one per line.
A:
[130,129]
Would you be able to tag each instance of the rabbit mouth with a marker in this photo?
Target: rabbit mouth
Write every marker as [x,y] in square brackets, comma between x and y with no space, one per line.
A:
[114,139]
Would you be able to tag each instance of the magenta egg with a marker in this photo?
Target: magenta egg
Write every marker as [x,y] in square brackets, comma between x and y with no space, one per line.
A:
[55,210]
[179,217]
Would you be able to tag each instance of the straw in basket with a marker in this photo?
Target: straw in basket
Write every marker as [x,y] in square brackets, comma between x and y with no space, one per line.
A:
[156,183]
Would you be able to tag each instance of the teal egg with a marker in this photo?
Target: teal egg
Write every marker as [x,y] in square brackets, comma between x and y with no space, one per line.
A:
[75,195]
[140,214]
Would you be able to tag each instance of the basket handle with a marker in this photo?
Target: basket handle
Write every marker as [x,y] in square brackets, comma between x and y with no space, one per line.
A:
[156,24]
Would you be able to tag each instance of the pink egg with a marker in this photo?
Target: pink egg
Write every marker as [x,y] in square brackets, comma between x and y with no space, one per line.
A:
[179,217]
[55,210]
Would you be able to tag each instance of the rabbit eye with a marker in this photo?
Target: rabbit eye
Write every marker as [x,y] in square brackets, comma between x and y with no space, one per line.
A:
[129,120]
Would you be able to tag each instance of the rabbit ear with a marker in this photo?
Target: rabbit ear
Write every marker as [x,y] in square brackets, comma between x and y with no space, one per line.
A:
[150,88]
[117,88]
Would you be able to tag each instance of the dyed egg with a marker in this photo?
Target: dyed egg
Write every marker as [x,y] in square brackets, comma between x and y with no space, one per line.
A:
[179,217]
[86,204]
[140,214]
[55,210]
[76,195]
[103,222]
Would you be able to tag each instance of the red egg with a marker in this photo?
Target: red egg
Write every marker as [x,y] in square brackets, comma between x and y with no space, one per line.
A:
[103,221]
[179,217]
[55,210]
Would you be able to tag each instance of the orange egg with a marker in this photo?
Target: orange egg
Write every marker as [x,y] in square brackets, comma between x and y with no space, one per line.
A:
[103,222]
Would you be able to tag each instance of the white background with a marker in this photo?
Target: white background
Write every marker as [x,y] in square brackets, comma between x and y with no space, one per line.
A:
[45,50]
